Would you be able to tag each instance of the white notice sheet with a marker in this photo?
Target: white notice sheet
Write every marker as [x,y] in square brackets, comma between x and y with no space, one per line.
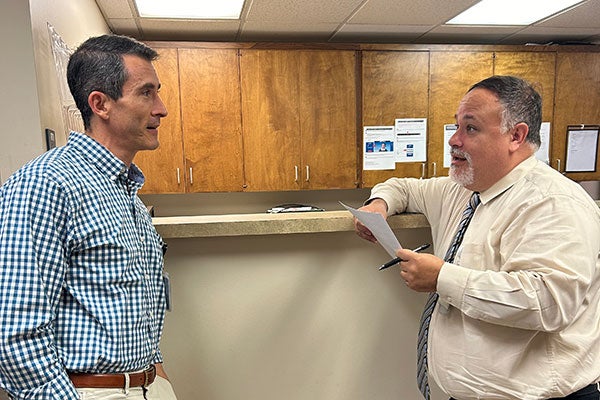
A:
[379,227]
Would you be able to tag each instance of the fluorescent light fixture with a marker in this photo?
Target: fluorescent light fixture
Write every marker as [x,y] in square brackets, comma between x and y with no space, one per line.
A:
[190,9]
[510,12]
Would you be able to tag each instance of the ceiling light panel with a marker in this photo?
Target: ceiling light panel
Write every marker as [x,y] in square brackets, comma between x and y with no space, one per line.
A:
[511,12]
[190,9]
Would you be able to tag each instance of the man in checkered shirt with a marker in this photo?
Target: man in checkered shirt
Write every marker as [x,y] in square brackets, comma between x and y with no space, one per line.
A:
[82,296]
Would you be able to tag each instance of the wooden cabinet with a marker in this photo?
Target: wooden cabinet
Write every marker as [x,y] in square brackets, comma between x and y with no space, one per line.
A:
[163,167]
[273,119]
[299,119]
[451,76]
[212,119]
[577,102]
[395,84]
[538,68]
[200,140]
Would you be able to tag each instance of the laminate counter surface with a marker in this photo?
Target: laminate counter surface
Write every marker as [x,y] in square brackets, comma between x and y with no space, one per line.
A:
[272,224]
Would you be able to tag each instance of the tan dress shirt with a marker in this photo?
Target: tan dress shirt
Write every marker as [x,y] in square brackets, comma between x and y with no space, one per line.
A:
[519,310]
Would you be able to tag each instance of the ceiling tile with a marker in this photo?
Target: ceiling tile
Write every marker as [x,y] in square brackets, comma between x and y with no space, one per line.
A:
[159,29]
[586,15]
[543,35]
[286,31]
[422,12]
[379,33]
[302,10]
[115,8]
[455,34]
[124,26]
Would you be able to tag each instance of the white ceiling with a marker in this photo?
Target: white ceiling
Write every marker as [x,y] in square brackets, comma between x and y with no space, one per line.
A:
[356,21]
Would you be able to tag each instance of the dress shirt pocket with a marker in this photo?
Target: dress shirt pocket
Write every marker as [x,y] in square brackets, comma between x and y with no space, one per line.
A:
[470,255]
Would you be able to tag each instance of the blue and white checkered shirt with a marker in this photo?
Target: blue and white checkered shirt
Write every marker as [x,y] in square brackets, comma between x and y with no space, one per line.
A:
[81,265]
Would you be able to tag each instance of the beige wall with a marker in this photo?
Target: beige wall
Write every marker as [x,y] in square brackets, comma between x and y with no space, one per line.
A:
[295,317]
[30,92]
[20,134]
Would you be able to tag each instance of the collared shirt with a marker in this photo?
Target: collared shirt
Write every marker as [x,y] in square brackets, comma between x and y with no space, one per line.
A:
[518,315]
[81,266]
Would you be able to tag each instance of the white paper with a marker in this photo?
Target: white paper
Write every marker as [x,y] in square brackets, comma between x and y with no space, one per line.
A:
[411,139]
[378,227]
[449,130]
[543,153]
[581,151]
[378,151]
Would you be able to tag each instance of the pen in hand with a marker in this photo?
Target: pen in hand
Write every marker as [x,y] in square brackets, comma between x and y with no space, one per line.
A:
[398,259]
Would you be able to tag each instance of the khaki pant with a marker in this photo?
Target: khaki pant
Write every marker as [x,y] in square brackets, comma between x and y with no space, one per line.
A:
[160,389]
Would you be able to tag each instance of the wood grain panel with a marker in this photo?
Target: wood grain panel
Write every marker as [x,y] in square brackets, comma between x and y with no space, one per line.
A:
[211,114]
[536,68]
[577,102]
[452,74]
[270,104]
[328,119]
[160,165]
[395,85]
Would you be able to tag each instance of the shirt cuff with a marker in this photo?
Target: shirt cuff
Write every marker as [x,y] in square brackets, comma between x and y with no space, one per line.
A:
[451,284]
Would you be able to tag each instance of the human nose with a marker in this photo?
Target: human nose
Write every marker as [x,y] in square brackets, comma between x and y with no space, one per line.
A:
[454,140]
[159,108]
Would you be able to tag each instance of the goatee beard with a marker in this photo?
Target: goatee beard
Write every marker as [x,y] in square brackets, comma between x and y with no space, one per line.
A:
[462,177]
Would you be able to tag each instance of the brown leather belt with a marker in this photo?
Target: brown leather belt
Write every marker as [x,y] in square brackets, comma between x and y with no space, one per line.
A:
[116,381]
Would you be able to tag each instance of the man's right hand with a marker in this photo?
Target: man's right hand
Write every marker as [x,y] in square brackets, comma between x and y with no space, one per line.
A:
[377,206]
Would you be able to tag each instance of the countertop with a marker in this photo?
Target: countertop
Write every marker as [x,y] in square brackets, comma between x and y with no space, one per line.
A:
[272,224]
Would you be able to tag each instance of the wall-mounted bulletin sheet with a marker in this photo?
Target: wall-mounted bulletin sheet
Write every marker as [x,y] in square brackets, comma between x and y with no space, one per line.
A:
[378,151]
[411,139]
[582,148]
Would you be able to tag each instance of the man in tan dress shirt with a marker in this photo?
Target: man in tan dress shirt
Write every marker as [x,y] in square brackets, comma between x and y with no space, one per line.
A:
[518,313]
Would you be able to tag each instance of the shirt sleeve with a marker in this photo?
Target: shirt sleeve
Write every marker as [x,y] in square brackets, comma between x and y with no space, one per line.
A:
[547,263]
[32,268]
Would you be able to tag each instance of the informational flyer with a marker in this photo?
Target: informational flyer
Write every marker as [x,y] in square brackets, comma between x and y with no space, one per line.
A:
[449,130]
[582,149]
[378,153]
[543,153]
[411,139]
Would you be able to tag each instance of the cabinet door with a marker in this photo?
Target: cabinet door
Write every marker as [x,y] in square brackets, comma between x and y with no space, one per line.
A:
[211,115]
[452,74]
[270,99]
[163,167]
[577,102]
[536,68]
[394,85]
[328,119]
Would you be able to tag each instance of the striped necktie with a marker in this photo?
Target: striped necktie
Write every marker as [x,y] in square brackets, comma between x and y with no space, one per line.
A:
[422,379]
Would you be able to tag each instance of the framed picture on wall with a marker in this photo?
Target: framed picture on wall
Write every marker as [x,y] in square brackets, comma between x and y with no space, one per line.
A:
[582,148]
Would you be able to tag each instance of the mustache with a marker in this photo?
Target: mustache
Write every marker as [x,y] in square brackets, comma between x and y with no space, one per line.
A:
[460,154]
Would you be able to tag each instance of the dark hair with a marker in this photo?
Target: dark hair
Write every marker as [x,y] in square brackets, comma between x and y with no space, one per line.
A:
[97,64]
[521,102]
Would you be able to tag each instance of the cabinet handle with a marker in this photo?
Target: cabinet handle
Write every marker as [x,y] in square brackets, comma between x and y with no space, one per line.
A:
[191,176]
[422,170]
[434,169]
[307,173]
[558,164]
[296,172]
[178,177]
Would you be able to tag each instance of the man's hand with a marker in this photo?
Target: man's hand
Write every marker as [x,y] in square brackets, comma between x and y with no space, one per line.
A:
[377,206]
[419,270]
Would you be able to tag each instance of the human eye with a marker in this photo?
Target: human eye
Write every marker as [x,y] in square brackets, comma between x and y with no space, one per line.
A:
[471,128]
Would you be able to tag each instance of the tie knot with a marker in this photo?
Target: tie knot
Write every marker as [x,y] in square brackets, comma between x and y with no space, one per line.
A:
[475,200]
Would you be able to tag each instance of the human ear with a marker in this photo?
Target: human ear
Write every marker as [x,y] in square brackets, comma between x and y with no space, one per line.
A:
[99,103]
[519,134]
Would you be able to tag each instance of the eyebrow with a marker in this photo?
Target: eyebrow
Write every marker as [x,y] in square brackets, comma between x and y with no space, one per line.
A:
[149,85]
